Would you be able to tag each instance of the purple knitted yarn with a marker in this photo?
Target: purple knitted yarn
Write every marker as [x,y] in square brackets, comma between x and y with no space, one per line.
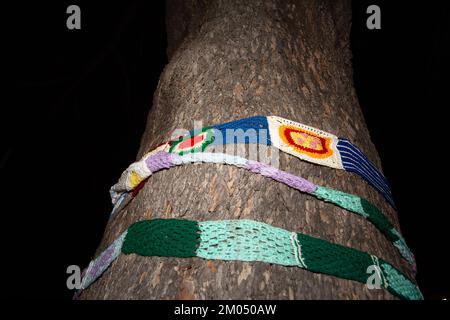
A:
[281,176]
[164,160]
[160,160]
[99,265]
[102,262]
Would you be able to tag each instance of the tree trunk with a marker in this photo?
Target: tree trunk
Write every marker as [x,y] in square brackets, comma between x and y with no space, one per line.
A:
[231,59]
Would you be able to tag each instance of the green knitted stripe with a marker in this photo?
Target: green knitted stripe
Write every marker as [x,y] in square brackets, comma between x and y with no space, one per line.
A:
[248,240]
[162,237]
[245,240]
[347,263]
[366,209]
[344,200]
[399,284]
[329,258]
[379,219]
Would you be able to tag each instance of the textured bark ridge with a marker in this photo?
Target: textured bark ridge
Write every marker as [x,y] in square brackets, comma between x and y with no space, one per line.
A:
[231,59]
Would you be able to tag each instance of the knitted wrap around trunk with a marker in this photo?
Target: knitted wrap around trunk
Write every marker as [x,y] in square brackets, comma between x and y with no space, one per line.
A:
[231,59]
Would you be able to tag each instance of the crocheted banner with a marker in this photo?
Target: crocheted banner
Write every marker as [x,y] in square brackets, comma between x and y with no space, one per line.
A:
[248,240]
[192,143]
[163,160]
[302,141]
[305,142]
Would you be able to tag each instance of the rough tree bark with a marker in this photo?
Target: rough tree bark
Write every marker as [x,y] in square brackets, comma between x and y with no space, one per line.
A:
[231,59]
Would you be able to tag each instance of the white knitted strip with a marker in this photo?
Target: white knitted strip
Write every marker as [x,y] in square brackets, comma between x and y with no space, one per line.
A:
[214,158]
[301,126]
[297,251]
[379,271]
[124,184]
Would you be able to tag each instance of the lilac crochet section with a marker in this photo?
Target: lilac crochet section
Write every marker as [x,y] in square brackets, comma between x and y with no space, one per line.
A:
[102,262]
[281,176]
[164,160]
[161,160]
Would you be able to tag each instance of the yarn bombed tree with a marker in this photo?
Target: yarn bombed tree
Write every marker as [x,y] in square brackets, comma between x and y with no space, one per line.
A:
[235,59]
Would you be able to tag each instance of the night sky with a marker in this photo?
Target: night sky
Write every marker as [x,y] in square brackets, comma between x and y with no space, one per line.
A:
[79,107]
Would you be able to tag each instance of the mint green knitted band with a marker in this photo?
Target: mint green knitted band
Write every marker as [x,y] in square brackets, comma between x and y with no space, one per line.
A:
[248,240]
[369,211]
[160,160]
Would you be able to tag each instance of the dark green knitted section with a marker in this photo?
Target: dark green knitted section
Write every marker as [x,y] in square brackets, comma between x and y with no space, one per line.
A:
[163,238]
[379,220]
[325,257]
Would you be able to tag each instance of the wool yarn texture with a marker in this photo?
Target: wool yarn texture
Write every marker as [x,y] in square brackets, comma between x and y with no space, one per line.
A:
[304,142]
[249,240]
[163,160]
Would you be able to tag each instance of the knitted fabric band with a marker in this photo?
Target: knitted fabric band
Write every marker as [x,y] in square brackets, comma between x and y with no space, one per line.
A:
[163,160]
[248,240]
[302,141]
[102,262]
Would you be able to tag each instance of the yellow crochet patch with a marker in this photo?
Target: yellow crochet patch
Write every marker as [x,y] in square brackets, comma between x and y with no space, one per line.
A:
[135,179]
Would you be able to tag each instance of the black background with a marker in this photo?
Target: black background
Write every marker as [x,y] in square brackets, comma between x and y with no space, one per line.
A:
[78,110]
